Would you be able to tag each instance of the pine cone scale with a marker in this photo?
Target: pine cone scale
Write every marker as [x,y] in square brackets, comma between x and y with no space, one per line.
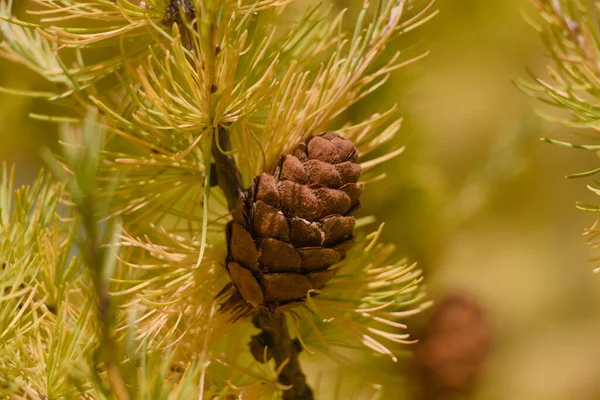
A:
[278,256]
[320,278]
[336,228]
[243,249]
[304,233]
[246,283]
[267,191]
[317,258]
[269,222]
[285,287]
[299,200]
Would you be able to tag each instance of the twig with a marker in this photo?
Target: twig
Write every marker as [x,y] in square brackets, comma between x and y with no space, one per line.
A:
[276,337]
[181,12]
[228,175]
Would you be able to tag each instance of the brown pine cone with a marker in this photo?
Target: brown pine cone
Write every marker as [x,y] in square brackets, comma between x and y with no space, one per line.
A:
[291,226]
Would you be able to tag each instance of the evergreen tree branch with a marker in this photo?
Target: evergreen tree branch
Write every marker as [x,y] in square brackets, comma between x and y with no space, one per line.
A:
[184,73]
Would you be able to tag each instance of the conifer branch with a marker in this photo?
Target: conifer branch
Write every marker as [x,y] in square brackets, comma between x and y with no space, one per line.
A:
[191,73]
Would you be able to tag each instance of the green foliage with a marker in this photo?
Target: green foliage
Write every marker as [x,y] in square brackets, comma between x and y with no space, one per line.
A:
[44,302]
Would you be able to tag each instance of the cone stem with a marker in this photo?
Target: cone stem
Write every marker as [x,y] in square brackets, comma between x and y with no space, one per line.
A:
[285,351]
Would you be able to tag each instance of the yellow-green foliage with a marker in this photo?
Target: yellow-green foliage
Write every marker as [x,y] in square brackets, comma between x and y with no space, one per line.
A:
[111,292]
[572,87]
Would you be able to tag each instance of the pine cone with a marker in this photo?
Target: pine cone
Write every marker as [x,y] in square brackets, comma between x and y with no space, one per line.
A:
[291,226]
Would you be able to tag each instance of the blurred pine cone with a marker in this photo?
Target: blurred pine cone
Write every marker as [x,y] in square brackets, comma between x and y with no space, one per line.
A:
[292,225]
[453,350]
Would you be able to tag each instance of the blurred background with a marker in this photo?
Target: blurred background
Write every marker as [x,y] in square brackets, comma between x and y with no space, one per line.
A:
[476,199]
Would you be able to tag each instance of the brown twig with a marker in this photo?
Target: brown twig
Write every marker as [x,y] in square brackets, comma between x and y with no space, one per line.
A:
[229,178]
[181,12]
[276,338]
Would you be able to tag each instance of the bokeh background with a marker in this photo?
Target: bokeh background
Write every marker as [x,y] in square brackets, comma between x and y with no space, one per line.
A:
[476,199]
